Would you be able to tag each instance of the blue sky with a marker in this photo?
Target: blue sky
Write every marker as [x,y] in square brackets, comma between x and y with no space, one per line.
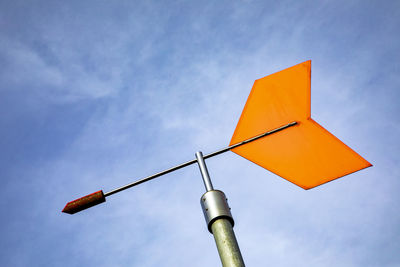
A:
[96,94]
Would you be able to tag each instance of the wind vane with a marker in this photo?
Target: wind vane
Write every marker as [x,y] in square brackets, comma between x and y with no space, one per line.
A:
[276,132]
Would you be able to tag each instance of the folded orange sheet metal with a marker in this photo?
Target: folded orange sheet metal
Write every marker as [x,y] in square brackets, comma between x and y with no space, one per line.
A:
[306,154]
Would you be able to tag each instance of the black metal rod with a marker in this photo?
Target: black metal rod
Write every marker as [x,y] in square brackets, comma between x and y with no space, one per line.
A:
[148,178]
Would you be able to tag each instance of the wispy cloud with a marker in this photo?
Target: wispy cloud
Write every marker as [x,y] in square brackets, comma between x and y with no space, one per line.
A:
[95,95]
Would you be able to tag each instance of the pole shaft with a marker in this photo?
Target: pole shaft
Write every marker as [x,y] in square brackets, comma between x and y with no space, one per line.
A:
[227,244]
[217,207]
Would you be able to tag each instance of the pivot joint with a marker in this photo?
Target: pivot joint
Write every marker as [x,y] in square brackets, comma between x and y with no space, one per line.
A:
[215,206]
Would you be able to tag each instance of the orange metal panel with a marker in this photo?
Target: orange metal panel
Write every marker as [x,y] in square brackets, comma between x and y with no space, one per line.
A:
[306,154]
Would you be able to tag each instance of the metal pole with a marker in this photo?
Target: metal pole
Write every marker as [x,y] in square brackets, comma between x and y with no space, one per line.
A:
[219,220]
[204,172]
[99,197]
[223,150]
[227,245]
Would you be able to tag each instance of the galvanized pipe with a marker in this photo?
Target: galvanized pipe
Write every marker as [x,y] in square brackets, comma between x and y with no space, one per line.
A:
[227,245]
[219,220]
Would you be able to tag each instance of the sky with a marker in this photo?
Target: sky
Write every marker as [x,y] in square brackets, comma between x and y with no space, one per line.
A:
[97,94]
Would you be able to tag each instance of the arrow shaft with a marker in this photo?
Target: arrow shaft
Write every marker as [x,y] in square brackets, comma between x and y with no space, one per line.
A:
[148,178]
[180,166]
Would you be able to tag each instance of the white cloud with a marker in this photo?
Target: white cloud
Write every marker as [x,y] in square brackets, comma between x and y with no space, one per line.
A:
[174,82]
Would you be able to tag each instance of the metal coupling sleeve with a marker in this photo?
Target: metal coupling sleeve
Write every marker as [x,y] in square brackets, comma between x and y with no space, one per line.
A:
[215,206]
